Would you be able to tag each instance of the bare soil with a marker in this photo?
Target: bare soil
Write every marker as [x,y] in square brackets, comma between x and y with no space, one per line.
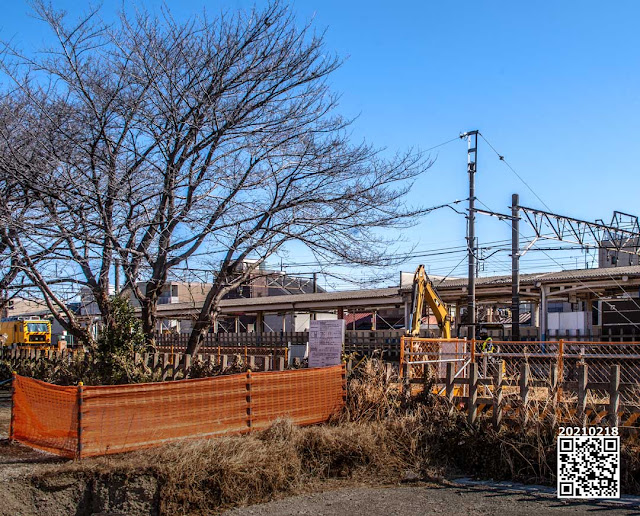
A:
[5,413]
[16,460]
[427,500]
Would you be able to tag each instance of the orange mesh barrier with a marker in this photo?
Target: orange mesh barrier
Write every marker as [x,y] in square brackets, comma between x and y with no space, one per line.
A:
[127,417]
[306,399]
[120,418]
[45,416]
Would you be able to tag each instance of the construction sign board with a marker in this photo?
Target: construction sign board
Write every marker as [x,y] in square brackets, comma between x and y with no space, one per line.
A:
[326,342]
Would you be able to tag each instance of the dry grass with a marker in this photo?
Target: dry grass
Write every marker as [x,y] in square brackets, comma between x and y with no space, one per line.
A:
[205,476]
[378,437]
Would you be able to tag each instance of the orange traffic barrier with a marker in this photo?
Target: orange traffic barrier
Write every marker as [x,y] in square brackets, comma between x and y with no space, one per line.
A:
[87,421]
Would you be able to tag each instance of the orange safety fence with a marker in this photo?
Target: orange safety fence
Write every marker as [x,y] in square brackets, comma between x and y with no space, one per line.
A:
[99,420]
[45,416]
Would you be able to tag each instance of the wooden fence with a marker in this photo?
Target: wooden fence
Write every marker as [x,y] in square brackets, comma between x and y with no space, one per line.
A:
[172,366]
[580,402]
[169,366]
[363,343]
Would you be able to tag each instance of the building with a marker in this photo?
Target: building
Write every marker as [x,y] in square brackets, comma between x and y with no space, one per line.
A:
[618,254]
[262,283]
[581,297]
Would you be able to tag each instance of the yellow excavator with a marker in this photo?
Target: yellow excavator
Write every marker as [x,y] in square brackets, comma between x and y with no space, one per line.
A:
[423,289]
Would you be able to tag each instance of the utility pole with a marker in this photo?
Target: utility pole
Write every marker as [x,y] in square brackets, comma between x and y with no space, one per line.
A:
[472,159]
[515,268]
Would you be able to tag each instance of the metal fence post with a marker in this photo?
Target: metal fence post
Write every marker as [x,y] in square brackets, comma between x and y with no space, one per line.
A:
[472,402]
[344,384]
[14,375]
[80,401]
[553,394]
[449,384]
[497,396]
[401,372]
[249,402]
[560,368]
[524,390]
[614,395]
[582,394]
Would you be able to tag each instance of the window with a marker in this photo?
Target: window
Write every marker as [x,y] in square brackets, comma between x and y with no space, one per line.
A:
[37,327]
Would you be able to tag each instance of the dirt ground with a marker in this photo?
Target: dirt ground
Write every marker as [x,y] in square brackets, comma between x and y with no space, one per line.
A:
[430,499]
[16,461]
[5,413]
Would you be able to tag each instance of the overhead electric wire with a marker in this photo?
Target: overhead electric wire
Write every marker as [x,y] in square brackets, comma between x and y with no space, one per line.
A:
[601,298]
[451,271]
[502,158]
[457,138]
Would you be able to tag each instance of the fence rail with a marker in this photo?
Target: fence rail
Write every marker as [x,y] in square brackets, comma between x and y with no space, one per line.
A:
[553,371]
[168,366]
[519,399]
[361,342]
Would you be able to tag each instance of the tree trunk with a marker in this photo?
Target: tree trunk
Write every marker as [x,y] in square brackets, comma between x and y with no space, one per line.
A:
[199,333]
[149,323]
[104,305]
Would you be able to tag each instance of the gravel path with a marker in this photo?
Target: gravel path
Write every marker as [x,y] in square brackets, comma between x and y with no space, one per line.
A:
[428,500]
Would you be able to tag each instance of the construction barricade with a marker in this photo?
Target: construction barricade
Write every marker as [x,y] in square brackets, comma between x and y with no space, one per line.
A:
[589,381]
[425,360]
[87,421]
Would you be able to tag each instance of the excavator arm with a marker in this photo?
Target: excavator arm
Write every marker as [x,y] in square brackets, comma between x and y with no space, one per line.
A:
[423,290]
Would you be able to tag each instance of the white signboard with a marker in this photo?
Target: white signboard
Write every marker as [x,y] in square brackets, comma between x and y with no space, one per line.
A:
[326,341]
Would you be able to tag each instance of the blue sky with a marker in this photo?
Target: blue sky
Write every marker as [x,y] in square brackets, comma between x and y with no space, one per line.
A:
[554,86]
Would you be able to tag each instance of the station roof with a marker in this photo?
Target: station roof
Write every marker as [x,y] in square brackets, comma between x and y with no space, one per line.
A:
[615,281]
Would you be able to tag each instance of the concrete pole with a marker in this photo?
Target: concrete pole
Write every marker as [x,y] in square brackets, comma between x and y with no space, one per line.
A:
[260,322]
[535,314]
[472,154]
[589,314]
[515,268]
[543,312]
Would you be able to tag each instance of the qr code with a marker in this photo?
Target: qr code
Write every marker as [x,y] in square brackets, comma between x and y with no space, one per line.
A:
[589,466]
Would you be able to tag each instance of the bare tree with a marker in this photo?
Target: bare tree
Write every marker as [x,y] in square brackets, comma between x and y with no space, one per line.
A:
[217,138]
[28,249]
